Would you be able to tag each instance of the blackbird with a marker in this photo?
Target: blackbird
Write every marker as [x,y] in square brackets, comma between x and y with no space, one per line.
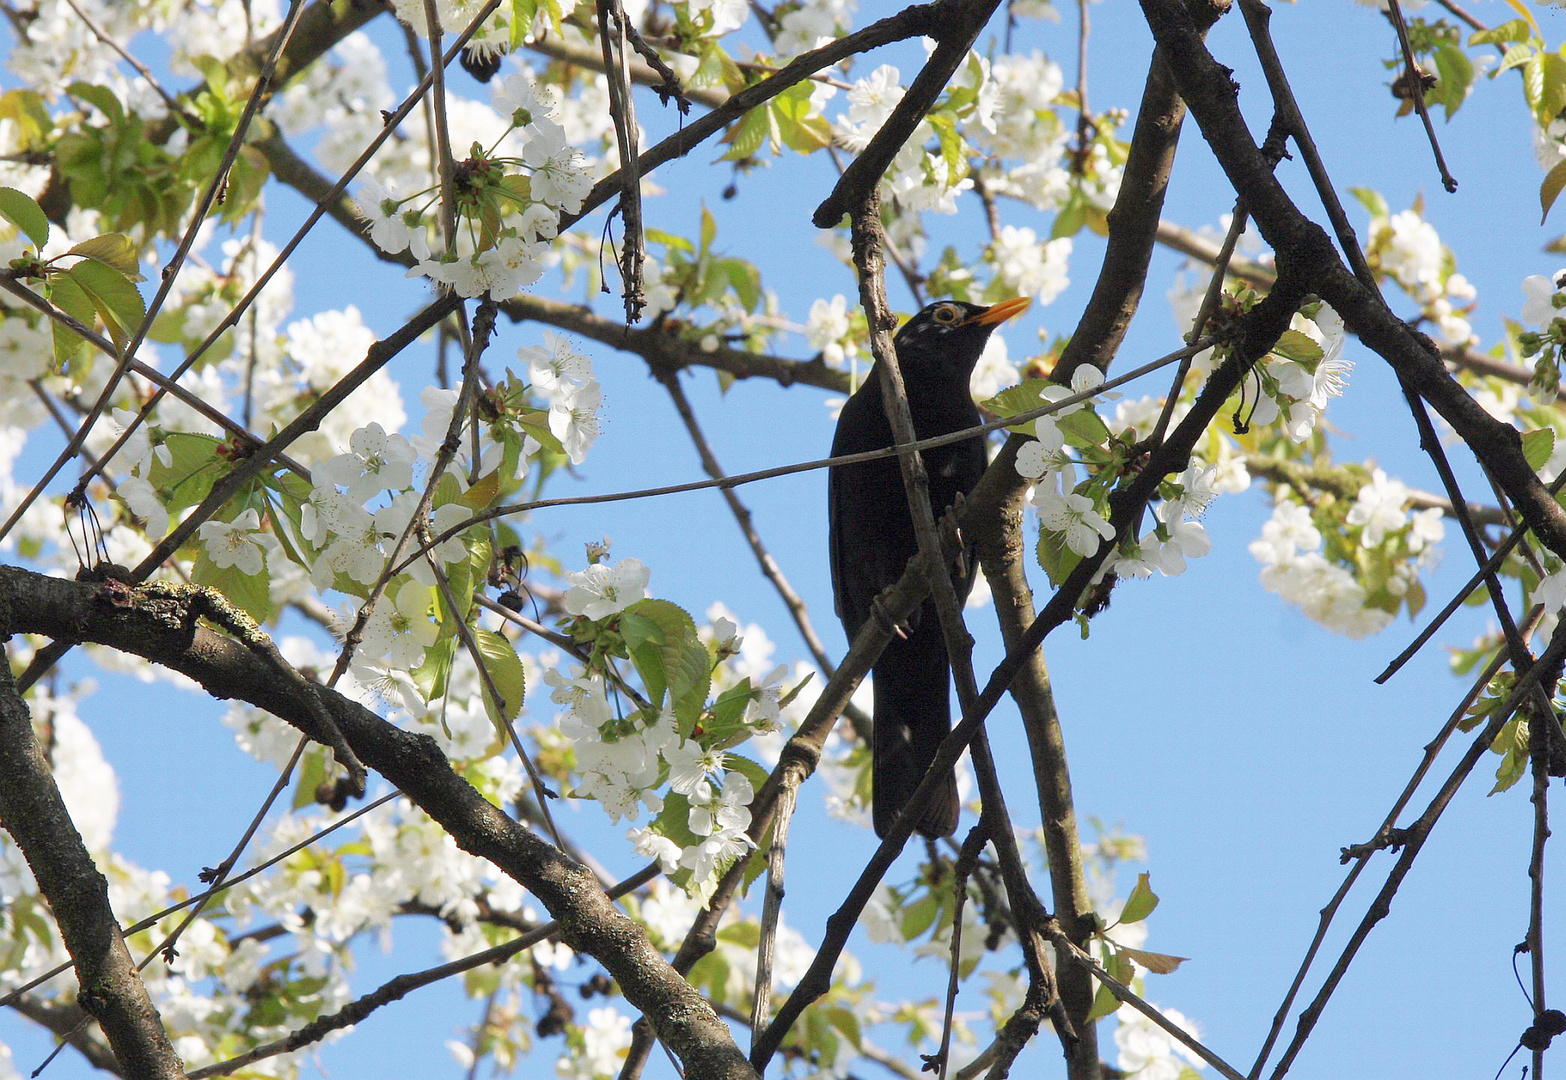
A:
[872,539]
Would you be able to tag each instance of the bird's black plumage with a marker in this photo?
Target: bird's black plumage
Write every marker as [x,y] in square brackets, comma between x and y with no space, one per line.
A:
[872,539]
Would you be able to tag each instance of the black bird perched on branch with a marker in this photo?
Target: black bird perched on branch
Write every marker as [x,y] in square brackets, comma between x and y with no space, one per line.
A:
[872,539]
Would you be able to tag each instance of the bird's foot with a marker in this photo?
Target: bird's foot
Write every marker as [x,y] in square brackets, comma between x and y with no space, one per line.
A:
[951,533]
[879,611]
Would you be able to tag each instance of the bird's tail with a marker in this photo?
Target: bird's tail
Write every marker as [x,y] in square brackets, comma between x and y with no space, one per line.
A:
[912,716]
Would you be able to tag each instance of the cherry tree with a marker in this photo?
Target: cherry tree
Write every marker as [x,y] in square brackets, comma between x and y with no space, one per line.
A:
[342,529]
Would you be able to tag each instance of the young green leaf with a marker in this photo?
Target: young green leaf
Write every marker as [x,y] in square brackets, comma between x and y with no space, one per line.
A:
[112,249]
[1554,180]
[505,671]
[113,296]
[22,211]
[1157,963]
[1141,902]
[70,298]
[1537,447]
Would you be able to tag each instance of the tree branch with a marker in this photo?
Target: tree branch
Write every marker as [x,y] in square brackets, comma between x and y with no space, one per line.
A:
[589,921]
[1304,250]
[32,811]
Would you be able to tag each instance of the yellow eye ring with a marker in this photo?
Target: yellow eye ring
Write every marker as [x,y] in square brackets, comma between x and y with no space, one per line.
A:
[946,314]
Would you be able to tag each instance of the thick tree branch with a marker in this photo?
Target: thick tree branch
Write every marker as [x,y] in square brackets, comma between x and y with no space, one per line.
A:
[954,35]
[32,811]
[1304,249]
[1133,227]
[589,920]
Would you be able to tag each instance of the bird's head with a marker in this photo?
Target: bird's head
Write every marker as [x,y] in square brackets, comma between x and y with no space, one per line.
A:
[949,335]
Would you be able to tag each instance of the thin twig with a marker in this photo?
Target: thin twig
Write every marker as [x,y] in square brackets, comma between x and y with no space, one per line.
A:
[1539,753]
[378,355]
[355,1011]
[1547,667]
[1416,84]
[967,859]
[819,463]
[141,69]
[502,707]
[1360,854]
[166,282]
[769,565]
[316,213]
[1204,315]
[12,996]
[612,37]
[771,911]
[443,457]
[151,374]
[448,191]
[1458,599]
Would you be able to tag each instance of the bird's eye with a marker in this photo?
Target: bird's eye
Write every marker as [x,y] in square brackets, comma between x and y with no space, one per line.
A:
[946,314]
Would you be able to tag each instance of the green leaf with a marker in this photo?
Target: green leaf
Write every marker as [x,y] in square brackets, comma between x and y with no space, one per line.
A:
[746,767]
[1018,399]
[1504,34]
[248,592]
[113,296]
[1544,84]
[1082,428]
[919,916]
[709,230]
[1055,557]
[795,124]
[26,109]
[522,12]
[536,424]
[70,298]
[192,468]
[1157,963]
[847,1022]
[670,241]
[505,671]
[1371,200]
[1537,447]
[1457,75]
[1294,345]
[1513,57]
[21,210]
[101,97]
[430,677]
[113,250]
[746,137]
[312,770]
[727,714]
[744,279]
[668,656]
[1070,220]
[945,125]
[1104,1003]
[1141,902]
[1554,180]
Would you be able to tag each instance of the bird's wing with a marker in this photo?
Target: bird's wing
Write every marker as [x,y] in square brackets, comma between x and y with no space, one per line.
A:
[869,545]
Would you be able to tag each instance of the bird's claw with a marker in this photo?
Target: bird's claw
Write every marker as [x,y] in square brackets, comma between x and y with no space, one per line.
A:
[879,610]
[951,528]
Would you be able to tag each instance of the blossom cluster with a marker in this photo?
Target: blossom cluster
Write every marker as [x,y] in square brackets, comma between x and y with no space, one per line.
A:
[1407,248]
[624,760]
[1356,583]
[1073,515]
[552,180]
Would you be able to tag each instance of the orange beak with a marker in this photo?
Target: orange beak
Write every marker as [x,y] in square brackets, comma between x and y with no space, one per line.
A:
[999,313]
